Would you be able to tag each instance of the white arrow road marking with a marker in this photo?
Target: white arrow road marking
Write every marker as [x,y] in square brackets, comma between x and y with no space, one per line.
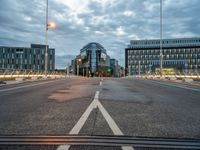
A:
[78,126]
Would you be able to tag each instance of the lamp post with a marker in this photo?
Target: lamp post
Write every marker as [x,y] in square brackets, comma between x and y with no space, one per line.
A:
[139,68]
[78,61]
[46,33]
[47,26]
[161,54]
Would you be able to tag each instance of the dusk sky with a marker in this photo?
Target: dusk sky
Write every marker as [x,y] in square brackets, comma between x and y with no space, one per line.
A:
[112,23]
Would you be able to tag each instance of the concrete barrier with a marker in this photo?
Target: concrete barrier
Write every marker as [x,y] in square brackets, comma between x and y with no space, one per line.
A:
[53,77]
[189,80]
[34,78]
[44,77]
[2,82]
[162,78]
[19,79]
[172,79]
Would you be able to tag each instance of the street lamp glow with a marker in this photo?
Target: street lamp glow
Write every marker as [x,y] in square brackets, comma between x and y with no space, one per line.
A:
[79,60]
[51,25]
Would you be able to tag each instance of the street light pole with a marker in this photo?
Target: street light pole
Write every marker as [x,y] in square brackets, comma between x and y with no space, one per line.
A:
[161,53]
[77,69]
[46,33]
[78,62]
[139,67]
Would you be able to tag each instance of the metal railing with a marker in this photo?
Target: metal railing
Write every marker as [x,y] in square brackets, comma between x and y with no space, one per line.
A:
[193,74]
[24,73]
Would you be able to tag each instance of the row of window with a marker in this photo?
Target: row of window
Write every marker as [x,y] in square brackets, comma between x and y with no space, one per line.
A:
[190,61]
[17,66]
[147,42]
[148,67]
[23,56]
[165,51]
[174,56]
[25,61]
[25,51]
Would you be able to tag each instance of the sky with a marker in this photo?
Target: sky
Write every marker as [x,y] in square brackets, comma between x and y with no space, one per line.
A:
[112,23]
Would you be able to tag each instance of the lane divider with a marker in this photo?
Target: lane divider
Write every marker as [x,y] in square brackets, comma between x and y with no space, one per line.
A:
[93,105]
[175,85]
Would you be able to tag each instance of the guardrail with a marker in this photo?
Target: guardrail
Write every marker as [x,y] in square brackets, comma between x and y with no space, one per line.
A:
[16,73]
[167,76]
[185,78]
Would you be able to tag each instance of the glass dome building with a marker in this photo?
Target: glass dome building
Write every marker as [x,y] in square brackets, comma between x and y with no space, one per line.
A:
[93,59]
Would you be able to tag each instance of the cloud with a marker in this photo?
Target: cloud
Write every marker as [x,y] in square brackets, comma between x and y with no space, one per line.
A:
[120,31]
[63,60]
[99,33]
[112,23]
[128,13]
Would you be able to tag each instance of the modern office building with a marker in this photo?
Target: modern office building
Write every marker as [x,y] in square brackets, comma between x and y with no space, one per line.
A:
[179,55]
[115,68]
[30,58]
[92,61]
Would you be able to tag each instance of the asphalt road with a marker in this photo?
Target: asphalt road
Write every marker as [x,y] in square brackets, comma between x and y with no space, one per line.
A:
[131,107]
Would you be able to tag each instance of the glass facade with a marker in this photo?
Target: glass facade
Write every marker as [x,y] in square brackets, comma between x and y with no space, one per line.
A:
[93,60]
[143,56]
[32,58]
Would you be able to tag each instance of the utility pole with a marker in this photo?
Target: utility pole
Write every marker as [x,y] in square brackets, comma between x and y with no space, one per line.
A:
[46,33]
[161,53]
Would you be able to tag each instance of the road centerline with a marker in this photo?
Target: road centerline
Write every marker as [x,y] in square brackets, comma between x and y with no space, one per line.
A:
[78,126]
[76,129]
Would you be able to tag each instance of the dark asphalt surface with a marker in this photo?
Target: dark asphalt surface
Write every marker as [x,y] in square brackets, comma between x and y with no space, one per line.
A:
[139,107]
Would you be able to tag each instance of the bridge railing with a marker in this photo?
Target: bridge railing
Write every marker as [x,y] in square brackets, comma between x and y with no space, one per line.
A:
[178,75]
[22,73]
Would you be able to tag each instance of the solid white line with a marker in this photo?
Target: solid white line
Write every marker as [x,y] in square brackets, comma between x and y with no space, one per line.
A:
[116,130]
[127,148]
[63,147]
[76,129]
[168,84]
[100,83]
[25,86]
[78,126]
[113,126]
